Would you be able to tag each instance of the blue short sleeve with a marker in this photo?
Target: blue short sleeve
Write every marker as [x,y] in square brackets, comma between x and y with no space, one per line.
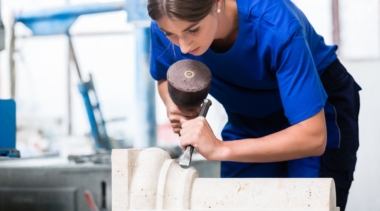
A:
[301,90]
[161,53]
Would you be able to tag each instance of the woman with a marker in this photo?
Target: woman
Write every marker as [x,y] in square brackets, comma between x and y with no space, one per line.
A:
[292,107]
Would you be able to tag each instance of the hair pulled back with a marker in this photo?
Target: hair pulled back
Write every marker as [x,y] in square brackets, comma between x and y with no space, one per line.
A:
[185,10]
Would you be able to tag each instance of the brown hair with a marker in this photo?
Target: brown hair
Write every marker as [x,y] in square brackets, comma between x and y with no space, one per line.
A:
[185,10]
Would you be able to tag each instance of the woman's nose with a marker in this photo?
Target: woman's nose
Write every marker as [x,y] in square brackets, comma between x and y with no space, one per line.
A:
[184,45]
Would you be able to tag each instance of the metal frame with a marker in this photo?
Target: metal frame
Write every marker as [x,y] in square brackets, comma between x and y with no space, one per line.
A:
[336,22]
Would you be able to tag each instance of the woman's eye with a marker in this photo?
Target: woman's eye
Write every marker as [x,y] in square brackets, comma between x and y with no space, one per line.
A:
[168,34]
[193,31]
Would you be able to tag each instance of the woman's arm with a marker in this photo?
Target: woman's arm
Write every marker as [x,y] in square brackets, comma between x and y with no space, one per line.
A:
[304,139]
[163,91]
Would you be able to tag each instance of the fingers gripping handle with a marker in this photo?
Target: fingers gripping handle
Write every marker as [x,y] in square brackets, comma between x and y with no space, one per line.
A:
[186,158]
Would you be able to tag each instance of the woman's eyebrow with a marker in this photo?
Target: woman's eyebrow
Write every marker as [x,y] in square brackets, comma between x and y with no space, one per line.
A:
[191,26]
[165,31]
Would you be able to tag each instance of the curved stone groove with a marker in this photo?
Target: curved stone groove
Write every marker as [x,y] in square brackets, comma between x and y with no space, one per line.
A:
[177,194]
[144,178]
[150,180]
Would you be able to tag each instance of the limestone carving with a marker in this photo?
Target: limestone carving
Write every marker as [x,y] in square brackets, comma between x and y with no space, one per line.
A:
[148,179]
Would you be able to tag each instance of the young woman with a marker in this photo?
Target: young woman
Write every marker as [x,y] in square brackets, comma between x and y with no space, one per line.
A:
[292,107]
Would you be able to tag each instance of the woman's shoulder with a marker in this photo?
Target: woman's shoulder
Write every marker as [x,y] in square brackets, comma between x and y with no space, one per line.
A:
[279,16]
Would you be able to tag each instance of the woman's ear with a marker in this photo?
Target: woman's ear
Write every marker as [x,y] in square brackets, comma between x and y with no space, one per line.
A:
[218,5]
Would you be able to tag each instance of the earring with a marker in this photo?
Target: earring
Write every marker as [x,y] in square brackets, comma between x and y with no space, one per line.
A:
[218,10]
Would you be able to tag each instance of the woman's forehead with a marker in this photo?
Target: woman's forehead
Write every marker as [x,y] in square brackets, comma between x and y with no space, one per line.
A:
[174,25]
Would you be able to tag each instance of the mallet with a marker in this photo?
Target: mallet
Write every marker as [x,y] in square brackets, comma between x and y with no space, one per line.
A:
[188,84]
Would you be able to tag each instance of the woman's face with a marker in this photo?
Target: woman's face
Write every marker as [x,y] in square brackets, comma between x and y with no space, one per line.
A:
[192,38]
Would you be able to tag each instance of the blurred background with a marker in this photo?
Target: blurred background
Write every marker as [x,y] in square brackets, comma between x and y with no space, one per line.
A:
[52,46]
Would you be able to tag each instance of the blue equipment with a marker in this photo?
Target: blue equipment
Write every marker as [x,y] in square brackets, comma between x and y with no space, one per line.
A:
[8,129]
[59,20]
[98,126]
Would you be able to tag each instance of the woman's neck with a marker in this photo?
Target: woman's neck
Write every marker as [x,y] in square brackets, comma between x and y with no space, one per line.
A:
[228,26]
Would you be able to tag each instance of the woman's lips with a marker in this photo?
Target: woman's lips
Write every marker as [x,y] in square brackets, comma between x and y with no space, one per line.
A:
[194,51]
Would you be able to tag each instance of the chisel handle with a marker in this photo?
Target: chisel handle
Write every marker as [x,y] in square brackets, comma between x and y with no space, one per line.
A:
[204,108]
[186,159]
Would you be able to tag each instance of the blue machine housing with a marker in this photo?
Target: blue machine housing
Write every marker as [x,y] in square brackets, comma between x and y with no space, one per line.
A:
[8,129]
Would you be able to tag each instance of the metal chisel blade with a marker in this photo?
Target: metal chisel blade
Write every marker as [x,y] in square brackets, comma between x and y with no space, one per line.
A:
[186,157]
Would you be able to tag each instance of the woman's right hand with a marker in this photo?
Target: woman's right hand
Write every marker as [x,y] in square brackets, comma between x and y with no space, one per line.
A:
[175,113]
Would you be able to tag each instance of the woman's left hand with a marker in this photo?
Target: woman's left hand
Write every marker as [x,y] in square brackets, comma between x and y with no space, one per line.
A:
[198,133]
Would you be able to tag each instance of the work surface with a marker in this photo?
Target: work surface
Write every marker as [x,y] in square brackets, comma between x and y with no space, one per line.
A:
[53,183]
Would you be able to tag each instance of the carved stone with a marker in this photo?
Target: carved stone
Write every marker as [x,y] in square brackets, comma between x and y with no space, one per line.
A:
[150,180]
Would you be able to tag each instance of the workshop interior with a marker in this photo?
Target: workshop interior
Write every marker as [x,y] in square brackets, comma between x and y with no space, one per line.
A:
[75,85]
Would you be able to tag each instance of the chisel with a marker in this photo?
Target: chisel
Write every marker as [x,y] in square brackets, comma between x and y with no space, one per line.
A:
[185,160]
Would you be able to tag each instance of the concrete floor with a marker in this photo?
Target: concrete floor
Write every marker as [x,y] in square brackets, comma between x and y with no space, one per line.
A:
[364,190]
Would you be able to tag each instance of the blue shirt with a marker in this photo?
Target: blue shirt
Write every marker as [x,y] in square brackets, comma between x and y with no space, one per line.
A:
[267,81]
